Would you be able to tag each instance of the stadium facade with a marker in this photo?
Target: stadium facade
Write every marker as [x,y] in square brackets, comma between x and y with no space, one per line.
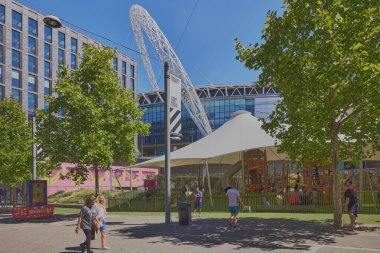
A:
[31,53]
[219,101]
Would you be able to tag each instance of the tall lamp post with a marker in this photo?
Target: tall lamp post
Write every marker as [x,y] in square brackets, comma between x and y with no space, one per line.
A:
[167,144]
[52,22]
[34,168]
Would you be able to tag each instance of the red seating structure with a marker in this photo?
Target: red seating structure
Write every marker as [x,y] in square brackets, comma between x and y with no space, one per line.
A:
[32,212]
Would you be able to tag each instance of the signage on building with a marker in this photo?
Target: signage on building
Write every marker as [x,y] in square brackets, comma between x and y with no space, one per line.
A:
[175,105]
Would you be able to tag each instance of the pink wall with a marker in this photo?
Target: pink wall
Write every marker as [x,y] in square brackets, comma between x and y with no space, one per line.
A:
[57,183]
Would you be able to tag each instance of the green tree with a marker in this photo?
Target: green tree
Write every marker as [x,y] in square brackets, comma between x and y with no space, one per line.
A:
[93,121]
[15,144]
[324,58]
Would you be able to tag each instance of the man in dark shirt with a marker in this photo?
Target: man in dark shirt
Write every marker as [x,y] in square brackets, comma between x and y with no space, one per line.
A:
[351,203]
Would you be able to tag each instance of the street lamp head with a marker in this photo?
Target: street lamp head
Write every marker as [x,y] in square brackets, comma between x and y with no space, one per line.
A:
[52,21]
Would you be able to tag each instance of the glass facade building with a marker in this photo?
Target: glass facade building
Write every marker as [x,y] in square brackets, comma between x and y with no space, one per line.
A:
[31,54]
[218,101]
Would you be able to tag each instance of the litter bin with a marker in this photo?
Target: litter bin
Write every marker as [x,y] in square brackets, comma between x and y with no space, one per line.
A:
[184,213]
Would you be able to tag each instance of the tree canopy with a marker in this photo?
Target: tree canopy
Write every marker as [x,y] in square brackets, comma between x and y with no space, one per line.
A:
[15,144]
[93,121]
[324,57]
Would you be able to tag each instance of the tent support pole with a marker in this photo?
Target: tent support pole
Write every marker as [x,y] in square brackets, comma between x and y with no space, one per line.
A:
[209,184]
[242,171]
[203,176]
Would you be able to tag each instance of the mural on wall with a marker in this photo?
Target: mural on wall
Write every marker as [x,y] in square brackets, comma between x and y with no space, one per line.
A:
[120,177]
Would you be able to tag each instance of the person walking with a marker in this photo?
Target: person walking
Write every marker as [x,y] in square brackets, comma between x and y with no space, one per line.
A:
[102,212]
[198,195]
[351,204]
[233,204]
[85,222]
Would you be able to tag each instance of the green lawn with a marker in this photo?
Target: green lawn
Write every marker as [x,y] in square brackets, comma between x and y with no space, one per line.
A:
[363,218]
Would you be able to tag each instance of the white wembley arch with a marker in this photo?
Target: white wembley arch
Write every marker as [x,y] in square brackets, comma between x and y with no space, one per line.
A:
[141,20]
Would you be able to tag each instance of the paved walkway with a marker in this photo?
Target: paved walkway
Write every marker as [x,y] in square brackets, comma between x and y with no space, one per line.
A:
[149,235]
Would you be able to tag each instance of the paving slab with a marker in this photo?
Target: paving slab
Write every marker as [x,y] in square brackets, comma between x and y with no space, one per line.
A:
[146,234]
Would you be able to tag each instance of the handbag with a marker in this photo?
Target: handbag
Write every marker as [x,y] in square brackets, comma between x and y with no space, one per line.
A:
[96,225]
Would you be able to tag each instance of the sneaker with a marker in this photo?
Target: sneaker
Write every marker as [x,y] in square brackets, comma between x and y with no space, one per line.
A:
[106,248]
[82,247]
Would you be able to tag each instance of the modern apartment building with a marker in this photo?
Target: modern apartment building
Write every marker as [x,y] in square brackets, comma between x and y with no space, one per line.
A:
[31,53]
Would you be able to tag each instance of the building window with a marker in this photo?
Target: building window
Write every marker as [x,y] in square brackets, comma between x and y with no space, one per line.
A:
[124,74]
[1,74]
[16,94]
[1,53]
[47,51]
[16,20]
[115,63]
[2,92]
[132,70]
[74,46]
[73,61]
[32,101]
[47,69]
[46,105]
[32,46]
[2,13]
[1,34]
[47,87]
[123,81]
[132,84]
[123,67]
[32,64]
[32,27]
[61,57]
[83,45]
[61,40]
[31,115]
[16,39]
[48,34]
[16,78]
[16,59]
[32,83]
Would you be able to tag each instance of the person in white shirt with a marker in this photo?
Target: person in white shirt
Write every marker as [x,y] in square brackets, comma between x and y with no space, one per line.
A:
[233,203]
[102,212]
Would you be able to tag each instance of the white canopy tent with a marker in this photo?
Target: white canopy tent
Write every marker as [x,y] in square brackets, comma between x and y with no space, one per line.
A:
[223,146]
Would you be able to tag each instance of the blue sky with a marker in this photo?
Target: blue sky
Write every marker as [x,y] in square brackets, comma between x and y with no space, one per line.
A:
[206,50]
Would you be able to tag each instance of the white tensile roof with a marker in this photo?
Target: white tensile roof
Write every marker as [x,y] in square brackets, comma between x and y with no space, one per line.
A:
[223,146]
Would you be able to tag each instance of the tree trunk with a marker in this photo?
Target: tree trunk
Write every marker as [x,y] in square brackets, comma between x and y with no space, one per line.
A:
[96,181]
[14,196]
[336,179]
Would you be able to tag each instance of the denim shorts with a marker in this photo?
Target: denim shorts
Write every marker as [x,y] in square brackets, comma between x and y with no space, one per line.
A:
[234,209]
[197,204]
[354,210]
[103,227]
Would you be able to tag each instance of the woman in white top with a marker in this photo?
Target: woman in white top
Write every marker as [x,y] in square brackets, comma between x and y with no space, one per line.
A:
[102,212]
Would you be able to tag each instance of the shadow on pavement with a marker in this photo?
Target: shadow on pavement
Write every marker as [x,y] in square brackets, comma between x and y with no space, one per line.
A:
[71,250]
[268,234]
[76,249]
[55,218]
